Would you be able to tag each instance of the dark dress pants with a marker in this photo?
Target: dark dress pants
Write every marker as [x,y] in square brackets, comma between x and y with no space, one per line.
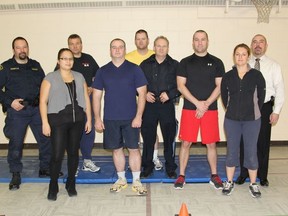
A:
[165,115]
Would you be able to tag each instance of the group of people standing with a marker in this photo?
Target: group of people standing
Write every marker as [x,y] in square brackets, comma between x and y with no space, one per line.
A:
[140,88]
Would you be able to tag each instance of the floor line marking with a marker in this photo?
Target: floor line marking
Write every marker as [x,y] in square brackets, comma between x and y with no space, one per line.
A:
[148,200]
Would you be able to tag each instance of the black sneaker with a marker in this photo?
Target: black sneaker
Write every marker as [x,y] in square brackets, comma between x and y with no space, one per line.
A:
[179,183]
[254,190]
[216,182]
[228,188]
[15,181]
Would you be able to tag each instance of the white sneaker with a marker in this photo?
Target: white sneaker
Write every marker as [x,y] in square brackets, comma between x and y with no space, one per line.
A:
[158,164]
[138,188]
[119,185]
[254,190]
[89,165]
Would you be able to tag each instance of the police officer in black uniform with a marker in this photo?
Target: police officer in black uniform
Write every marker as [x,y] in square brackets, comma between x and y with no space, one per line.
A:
[20,80]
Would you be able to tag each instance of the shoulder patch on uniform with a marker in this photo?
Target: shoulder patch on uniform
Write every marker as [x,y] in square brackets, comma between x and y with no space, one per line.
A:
[1,67]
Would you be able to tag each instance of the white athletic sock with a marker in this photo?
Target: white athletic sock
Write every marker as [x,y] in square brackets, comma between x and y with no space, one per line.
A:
[155,154]
[121,175]
[136,175]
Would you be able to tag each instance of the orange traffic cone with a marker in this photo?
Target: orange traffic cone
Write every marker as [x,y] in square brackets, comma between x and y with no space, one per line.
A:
[183,211]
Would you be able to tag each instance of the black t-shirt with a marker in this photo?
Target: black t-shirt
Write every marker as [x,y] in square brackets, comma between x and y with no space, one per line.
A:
[86,65]
[200,74]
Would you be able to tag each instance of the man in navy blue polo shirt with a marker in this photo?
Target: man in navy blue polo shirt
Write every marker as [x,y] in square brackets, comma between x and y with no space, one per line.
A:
[121,80]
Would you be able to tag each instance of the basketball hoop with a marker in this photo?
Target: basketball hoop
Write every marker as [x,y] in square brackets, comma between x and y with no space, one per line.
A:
[264,8]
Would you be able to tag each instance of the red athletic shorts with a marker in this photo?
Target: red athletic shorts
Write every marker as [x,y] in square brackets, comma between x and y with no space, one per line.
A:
[189,126]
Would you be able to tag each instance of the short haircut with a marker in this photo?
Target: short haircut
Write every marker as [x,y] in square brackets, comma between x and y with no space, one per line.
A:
[118,39]
[161,37]
[18,38]
[201,31]
[74,36]
[141,31]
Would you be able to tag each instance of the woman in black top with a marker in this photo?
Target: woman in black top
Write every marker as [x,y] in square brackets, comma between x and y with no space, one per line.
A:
[64,102]
[242,93]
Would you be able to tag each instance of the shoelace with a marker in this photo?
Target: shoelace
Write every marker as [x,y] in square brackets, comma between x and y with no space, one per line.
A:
[180,180]
[90,164]
[228,185]
[217,179]
[255,188]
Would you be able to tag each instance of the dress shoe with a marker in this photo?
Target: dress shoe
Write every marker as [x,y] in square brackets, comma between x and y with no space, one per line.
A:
[146,173]
[53,190]
[71,192]
[46,173]
[264,183]
[15,181]
[240,180]
[70,187]
[171,174]
[52,196]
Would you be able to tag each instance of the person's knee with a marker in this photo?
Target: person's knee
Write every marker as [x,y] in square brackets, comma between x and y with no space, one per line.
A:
[117,151]
[186,145]
[134,151]
[211,146]
[251,162]
[15,154]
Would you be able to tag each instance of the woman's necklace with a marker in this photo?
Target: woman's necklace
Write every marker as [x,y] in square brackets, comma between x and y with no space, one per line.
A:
[71,89]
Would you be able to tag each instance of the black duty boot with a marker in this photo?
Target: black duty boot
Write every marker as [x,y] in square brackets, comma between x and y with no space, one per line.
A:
[53,191]
[70,187]
[15,181]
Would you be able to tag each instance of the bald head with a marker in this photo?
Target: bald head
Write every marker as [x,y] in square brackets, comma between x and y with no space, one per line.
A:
[259,45]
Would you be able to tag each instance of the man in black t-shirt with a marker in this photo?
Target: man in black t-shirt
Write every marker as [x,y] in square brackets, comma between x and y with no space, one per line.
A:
[87,66]
[198,79]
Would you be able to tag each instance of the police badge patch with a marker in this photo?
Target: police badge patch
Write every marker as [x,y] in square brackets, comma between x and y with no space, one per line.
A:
[1,67]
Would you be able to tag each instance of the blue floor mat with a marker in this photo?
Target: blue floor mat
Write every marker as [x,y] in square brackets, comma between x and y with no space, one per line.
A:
[197,171]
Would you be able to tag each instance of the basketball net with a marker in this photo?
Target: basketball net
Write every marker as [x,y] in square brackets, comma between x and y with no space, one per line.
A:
[264,8]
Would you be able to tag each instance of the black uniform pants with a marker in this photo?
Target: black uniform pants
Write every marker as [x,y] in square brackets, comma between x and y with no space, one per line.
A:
[165,115]
[263,144]
[16,124]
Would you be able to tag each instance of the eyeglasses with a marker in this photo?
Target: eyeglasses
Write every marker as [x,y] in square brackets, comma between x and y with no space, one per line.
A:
[67,59]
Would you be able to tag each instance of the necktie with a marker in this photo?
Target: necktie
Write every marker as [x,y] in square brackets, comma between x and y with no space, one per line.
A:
[257,64]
